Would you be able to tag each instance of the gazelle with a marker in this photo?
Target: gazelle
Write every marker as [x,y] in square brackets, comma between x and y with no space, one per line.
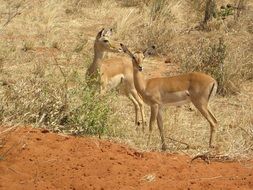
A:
[114,71]
[191,87]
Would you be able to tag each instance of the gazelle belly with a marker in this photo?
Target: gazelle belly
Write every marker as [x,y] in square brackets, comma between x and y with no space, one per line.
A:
[176,98]
[115,81]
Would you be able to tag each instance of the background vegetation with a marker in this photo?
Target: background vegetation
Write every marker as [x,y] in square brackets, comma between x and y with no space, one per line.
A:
[46,46]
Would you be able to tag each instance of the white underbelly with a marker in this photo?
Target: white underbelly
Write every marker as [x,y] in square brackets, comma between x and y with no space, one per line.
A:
[115,81]
[176,98]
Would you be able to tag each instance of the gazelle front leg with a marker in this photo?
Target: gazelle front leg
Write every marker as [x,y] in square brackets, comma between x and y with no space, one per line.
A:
[160,127]
[140,106]
[153,117]
[103,87]
[136,109]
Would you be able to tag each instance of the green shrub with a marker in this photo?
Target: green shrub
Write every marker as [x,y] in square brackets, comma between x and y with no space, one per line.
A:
[91,114]
[226,11]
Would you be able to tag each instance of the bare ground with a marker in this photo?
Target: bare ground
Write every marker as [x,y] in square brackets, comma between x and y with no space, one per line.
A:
[37,159]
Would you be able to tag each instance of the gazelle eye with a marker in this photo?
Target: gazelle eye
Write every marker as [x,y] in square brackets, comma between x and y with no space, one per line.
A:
[105,41]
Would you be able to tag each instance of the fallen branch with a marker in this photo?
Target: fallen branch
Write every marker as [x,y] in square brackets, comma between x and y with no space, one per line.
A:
[220,176]
[208,178]
[12,15]
[207,157]
[187,145]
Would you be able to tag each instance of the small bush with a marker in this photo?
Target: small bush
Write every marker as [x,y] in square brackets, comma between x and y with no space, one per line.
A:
[226,11]
[91,114]
[210,58]
[213,63]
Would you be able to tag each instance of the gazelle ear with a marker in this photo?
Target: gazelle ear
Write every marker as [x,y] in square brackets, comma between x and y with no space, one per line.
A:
[107,32]
[104,32]
[149,51]
[126,50]
[100,34]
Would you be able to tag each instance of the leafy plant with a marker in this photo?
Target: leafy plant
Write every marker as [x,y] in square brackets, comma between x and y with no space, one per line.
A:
[91,114]
[226,11]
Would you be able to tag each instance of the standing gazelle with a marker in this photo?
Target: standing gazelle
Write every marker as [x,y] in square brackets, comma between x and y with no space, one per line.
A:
[114,71]
[192,87]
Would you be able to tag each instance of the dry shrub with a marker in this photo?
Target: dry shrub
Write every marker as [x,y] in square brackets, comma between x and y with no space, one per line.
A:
[130,3]
[159,30]
[33,99]
[212,61]
[42,97]
[221,59]
[150,24]
[38,94]
[227,17]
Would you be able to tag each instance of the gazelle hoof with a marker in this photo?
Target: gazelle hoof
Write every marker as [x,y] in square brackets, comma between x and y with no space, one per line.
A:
[164,147]
[215,149]
[211,145]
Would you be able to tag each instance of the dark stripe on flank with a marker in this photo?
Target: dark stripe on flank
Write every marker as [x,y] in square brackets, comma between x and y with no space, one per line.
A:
[211,91]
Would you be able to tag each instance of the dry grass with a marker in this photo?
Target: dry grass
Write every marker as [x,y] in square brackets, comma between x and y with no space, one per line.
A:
[185,124]
[64,30]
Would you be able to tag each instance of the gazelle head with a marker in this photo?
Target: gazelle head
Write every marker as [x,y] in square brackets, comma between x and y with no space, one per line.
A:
[103,42]
[138,56]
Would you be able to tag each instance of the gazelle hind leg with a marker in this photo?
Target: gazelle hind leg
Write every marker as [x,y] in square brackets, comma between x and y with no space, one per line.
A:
[209,117]
[153,117]
[160,127]
[212,115]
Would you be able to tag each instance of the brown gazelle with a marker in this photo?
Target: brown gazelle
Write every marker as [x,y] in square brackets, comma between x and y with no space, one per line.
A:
[191,87]
[114,71]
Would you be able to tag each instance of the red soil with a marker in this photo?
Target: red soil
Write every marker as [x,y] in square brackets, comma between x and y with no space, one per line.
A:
[37,159]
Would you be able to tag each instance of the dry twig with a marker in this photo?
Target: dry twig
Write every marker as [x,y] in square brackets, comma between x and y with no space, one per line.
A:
[207,157]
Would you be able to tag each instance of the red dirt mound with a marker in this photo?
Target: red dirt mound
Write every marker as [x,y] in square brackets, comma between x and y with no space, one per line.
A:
[37,159]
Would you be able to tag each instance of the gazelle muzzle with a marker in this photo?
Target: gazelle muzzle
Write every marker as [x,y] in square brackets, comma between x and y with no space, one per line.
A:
[140,68]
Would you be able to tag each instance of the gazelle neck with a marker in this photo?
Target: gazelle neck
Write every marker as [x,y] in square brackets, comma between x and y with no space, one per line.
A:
[139,82]
[97,61]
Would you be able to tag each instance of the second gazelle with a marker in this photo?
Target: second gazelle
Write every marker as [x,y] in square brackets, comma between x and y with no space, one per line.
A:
[114,72]
[191,87]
